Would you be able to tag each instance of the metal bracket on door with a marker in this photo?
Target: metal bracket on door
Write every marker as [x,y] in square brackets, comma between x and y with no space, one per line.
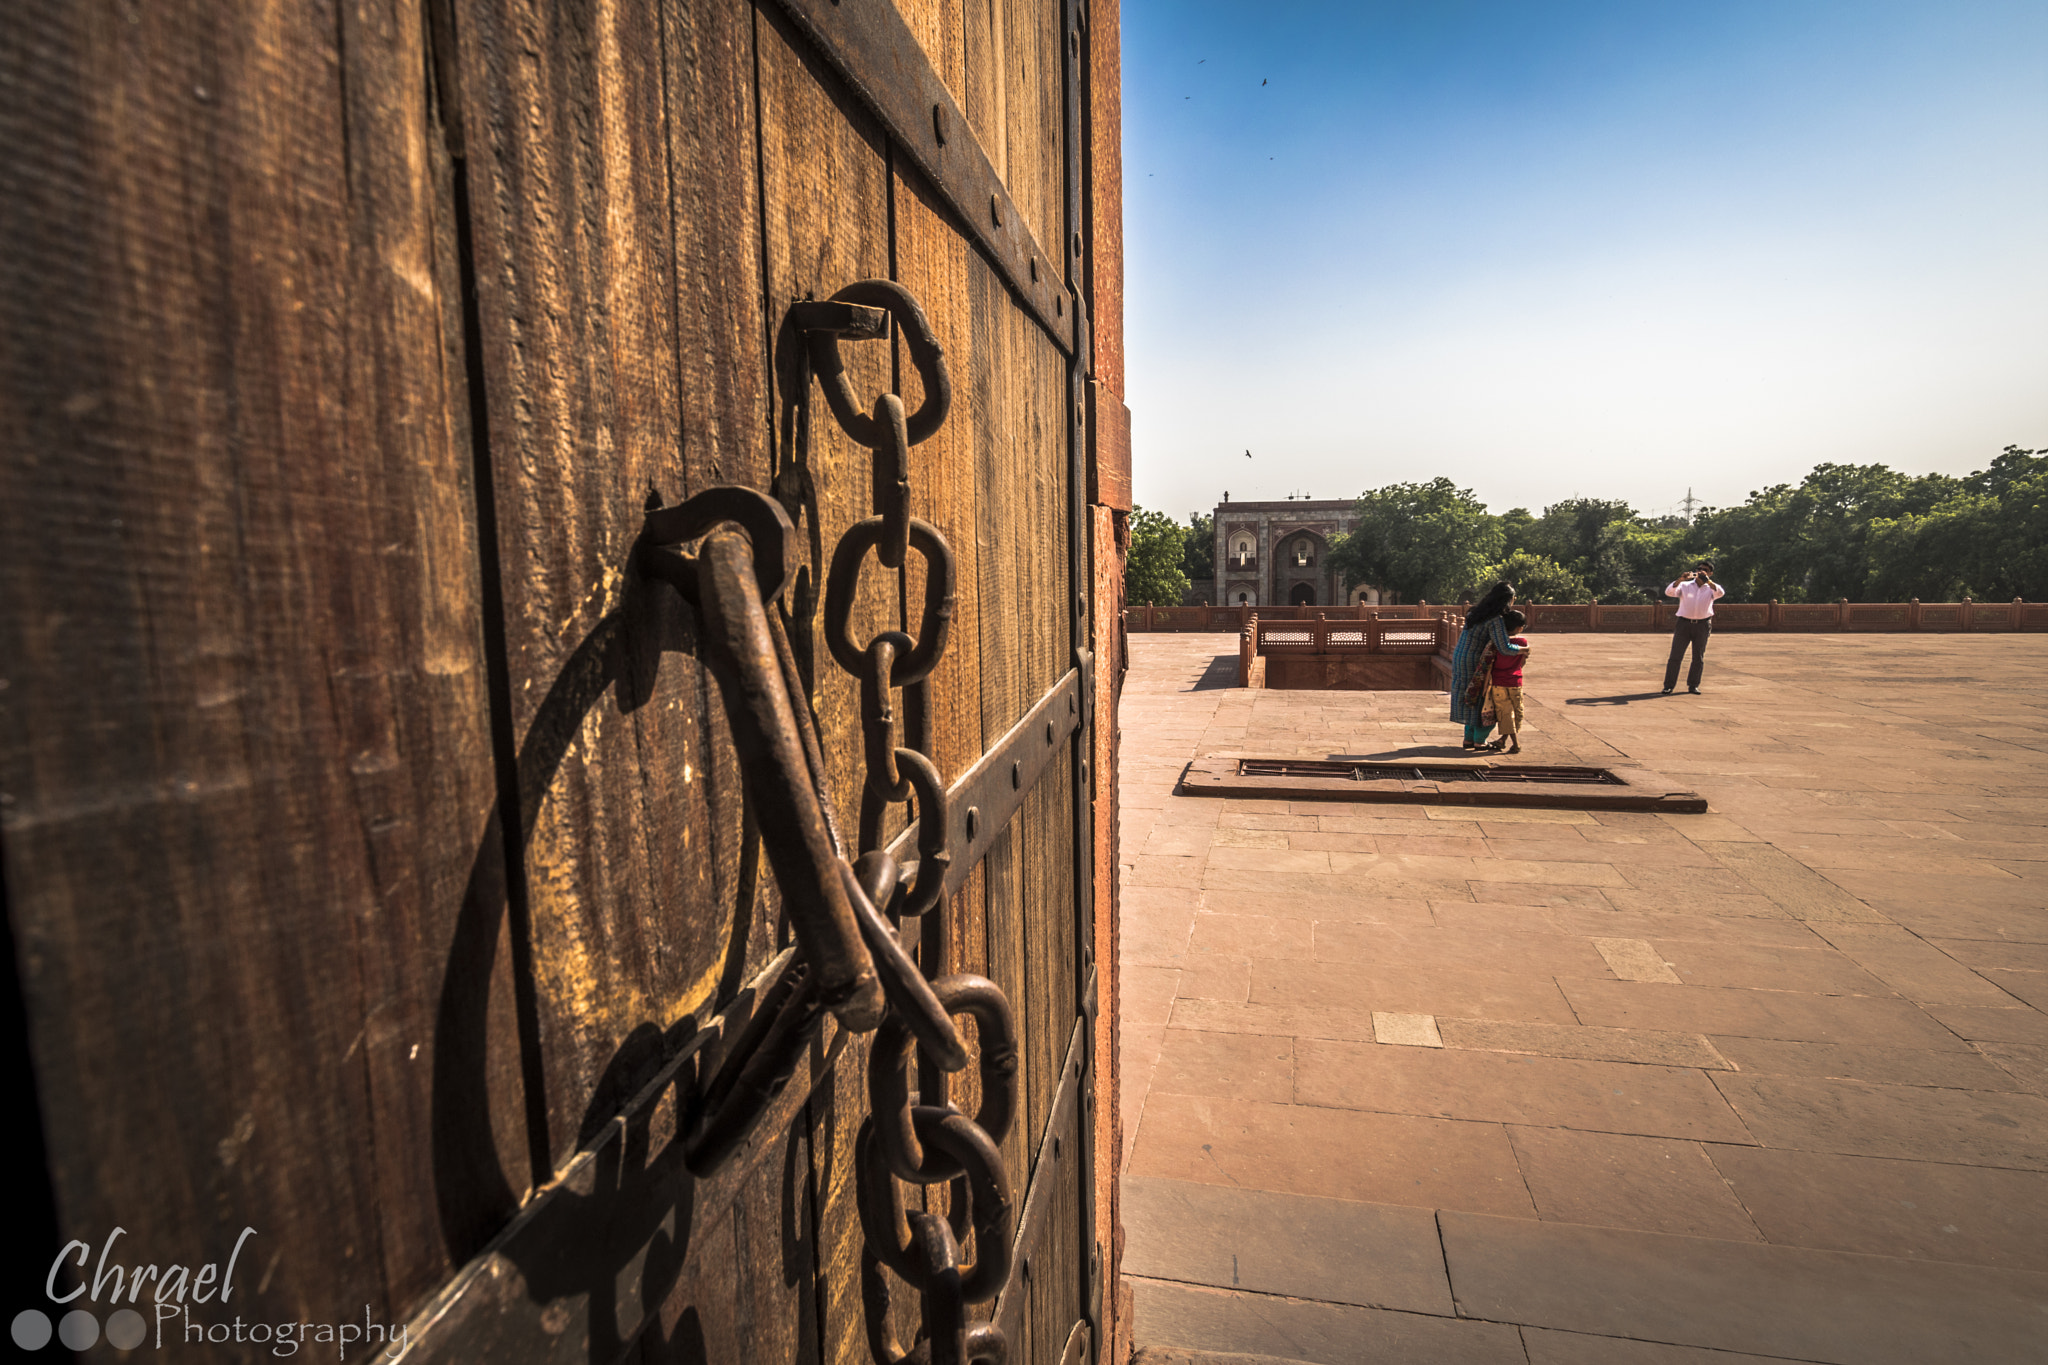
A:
[1055,1158]
[987,795]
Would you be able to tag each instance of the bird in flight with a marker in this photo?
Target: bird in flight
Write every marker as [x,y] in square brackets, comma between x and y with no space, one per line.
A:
[1261,82]
[1247,454]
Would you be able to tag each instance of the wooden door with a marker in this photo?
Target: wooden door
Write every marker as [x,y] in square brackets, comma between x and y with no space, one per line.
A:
[382,870]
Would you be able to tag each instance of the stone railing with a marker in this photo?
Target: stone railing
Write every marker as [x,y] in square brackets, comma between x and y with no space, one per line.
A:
[1347,651]
[1235,619]
[1841,615]
[1580,617]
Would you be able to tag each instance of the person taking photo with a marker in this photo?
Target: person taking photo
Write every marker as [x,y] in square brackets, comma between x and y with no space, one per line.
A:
[1696,593]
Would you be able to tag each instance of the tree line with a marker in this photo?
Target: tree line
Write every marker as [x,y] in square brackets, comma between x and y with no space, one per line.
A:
[1864,532]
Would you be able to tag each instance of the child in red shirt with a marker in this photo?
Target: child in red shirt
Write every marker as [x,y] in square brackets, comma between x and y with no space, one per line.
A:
[1507,686]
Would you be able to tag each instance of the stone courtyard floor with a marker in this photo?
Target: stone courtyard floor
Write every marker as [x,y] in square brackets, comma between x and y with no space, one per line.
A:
[1465,1085]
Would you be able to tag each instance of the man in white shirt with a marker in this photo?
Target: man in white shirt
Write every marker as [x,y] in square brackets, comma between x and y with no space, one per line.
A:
[1696,593]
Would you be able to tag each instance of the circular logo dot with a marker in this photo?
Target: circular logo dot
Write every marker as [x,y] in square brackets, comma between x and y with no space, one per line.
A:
[126,1329]
[79,1329]
[31,1329]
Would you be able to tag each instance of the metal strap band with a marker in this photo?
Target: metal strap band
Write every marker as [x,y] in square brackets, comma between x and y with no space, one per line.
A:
[880,58]
[981,803]
[1057,1156]
[494,1309]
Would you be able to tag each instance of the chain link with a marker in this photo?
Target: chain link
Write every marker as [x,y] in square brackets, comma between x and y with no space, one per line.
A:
[845,907]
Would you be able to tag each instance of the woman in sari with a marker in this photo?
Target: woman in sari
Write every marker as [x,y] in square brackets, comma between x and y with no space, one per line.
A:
[1483,627]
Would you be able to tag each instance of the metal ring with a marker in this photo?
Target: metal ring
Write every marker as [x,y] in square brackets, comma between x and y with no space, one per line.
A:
[878,716]
[945,1325]
[884,1221]
[918,779]
[925,353]
[937,1247]
[892,480]
[766,524]
[962,1139]
[911,665]
[889,1077]
[933,859]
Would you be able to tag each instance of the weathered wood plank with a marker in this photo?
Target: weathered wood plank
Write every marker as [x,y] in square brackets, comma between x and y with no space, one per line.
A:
[881,58]
[574,266]
[1034,117]
[933,261]
[618,238]
[1013,99]
[1052,965]
[941,29]
[245,770]
[983,61]
[1105,191]
[1049,917]
[1055,954]
[619,262]
[768,1308]
[826,210]
[1059,1274]
[1001,521]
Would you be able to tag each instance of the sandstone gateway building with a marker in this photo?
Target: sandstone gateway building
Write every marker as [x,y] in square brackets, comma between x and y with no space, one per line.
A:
[1277,554]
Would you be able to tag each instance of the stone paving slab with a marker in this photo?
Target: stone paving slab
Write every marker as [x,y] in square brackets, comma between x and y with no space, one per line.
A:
[1583,1043]
[1577,1348]
[1335,1153]
[1923,1210]
[1742,1296]
[1331,1250]
[1914,1123]
[1821,1002]
[1294,1329]
[1950,1068]
[1498,1087]
[1649,1184]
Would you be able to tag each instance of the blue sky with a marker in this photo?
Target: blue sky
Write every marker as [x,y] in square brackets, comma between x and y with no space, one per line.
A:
[1580,249]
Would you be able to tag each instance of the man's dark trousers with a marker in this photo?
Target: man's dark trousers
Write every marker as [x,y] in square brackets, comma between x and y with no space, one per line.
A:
[1689,632]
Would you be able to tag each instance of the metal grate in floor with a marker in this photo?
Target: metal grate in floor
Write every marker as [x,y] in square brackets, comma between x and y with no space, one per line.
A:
[1379,772]
[1551,786]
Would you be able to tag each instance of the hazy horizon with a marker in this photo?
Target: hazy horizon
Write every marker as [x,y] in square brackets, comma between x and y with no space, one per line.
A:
[1599,250]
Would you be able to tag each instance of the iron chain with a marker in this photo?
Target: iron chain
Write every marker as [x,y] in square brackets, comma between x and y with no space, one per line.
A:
[845,906]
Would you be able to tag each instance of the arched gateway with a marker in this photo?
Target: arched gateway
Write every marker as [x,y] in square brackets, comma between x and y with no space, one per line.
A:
[1279,552]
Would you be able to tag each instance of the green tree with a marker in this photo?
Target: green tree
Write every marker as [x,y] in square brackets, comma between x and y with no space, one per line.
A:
[1537,578]
[1422,540]
[1152,573]
[2012,557]
[1517,530]
[1648,554]
[1812,542]
[1198,553]
[1932,557]
[1570,532]
[1988,540]
[1587,538]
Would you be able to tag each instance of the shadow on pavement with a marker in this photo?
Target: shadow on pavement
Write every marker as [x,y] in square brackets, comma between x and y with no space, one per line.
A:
[1221,672]
[1622,700]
